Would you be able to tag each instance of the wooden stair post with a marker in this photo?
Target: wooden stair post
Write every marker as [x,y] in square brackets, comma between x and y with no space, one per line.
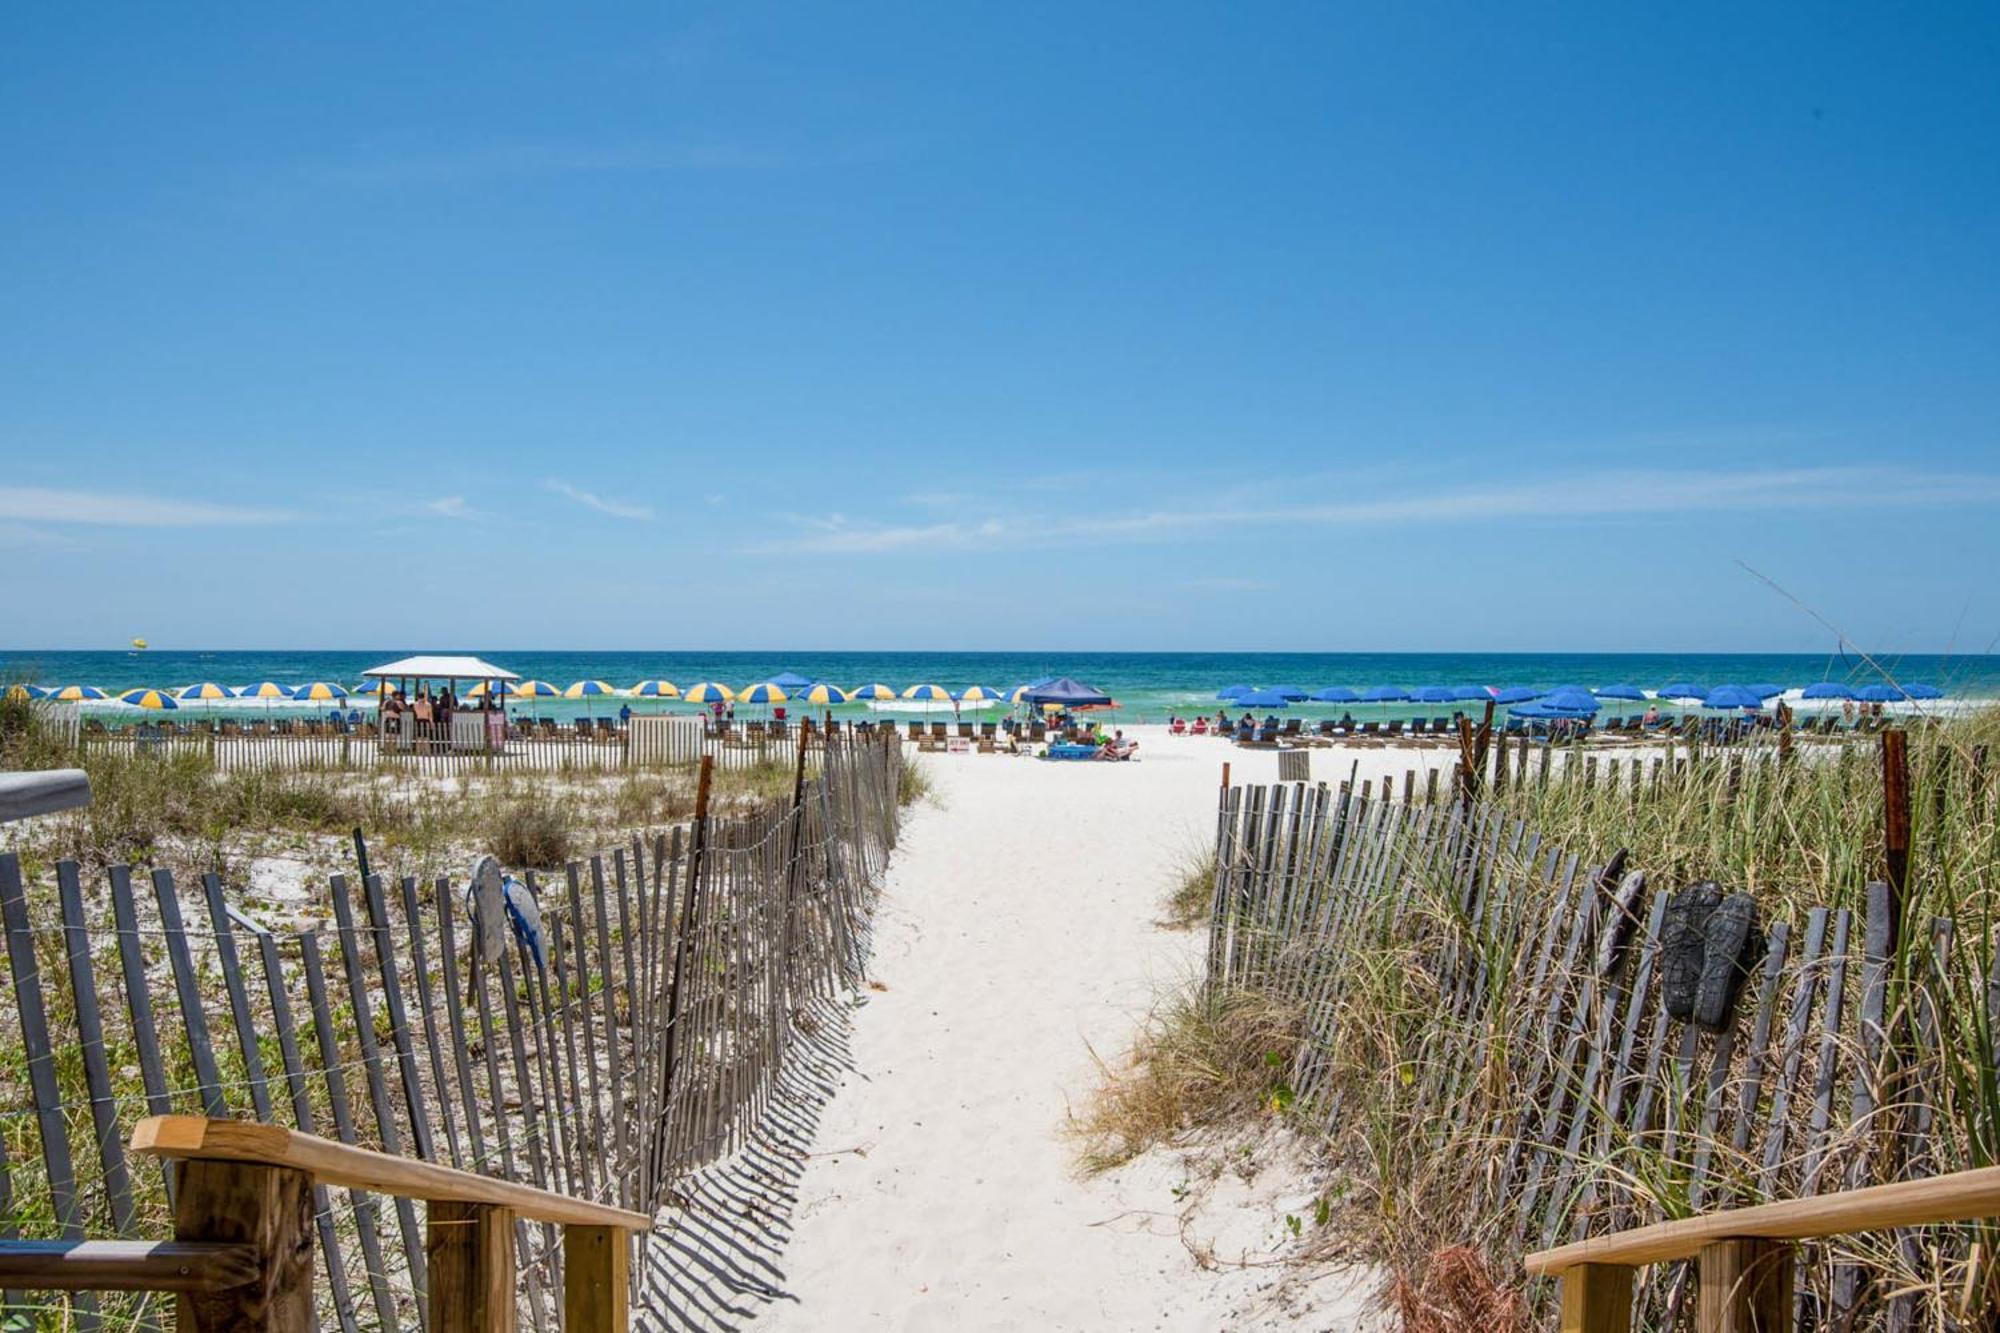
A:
[469,1249]
[1597,1298]
[1746,1287]
[267,1207]
[597,1279]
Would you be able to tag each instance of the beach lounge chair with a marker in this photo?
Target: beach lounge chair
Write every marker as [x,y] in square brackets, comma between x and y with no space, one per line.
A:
[965,730]
[915,729]
[1292,726]
[1200,727]
[1395,728]
[989,729]
[1177,727]
[939,731]
[1038,732]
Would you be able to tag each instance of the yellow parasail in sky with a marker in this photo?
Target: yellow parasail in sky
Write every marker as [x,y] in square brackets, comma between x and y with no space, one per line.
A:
[139,644]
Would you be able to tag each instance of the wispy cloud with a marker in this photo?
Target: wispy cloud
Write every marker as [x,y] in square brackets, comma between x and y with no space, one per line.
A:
[615,508]
[1602,494]
[37,504]
[450,506]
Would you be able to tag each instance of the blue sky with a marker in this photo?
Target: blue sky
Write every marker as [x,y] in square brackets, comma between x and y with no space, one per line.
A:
[1160,326]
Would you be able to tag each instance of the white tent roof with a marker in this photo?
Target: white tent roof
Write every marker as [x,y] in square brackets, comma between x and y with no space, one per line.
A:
[442,668]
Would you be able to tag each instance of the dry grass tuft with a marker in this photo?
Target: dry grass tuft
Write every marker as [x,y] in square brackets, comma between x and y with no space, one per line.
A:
[1208,1060]
[1456,1293]
[1193,891]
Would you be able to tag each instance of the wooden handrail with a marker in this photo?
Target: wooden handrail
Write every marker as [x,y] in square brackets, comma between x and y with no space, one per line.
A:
[330,1163]
[1744,1258]
[1963,1196]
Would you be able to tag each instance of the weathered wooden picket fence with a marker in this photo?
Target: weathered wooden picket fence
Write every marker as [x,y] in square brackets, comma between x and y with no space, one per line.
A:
[645,742]
[1480,989]
[635,1037]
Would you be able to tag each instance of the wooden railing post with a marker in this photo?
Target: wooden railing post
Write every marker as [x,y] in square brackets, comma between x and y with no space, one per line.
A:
[1597,1298]
[1746,1287]
[596,1279]
[469,1248]
[268,1207]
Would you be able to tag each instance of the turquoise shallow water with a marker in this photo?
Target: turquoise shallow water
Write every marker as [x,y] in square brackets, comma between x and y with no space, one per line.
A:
[1147,685]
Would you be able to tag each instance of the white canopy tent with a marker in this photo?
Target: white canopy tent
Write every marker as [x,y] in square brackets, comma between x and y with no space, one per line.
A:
[481,728]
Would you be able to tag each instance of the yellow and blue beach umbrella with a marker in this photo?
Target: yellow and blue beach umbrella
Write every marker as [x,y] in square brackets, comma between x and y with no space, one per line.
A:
[876,692]
[319,691]
[656,689]
[203,692]
[148,699]
[379,688]
[536,689]
[586,689]
[263,689]
[979,694]
[708,692]
[70,694]
[763,693]
[480,690]
[823,694]
[20,691]
[930,693]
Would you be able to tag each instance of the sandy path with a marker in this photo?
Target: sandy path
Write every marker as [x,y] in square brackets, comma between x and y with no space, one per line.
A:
[1017,933]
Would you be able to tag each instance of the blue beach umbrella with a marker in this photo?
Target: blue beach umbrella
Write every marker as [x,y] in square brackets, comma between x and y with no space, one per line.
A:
[1291,692]
[1683,691]
[1731,696]
[1619,692]
[1435,694]
[1826,689]
[1263,699]
[1226,692]
[1879,694]
[1336,694]
[1918,690]
[1570,701]
[1471,694]
[1516,694]
[1765,690]
[1384,694]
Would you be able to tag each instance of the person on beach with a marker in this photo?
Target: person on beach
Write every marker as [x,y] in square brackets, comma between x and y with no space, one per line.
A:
[1652,715]
[624,713]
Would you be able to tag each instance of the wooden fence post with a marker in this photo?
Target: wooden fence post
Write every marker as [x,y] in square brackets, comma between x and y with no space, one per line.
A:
[469,1248]
[265,1206]
[1896,828]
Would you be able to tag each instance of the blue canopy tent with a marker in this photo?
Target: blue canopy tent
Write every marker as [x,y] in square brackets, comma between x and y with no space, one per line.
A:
[790,680]
[1336,694]
[1826,689]
[1731,696]
[1069,693]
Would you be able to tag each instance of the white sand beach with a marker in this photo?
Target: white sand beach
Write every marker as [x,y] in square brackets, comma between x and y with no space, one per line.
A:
[1018,935]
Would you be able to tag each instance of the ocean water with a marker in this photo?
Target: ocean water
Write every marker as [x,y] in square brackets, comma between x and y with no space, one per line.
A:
[1146,685]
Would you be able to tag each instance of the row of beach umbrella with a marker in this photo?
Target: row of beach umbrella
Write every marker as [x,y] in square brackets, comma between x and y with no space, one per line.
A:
[1572,699]
[775,691]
